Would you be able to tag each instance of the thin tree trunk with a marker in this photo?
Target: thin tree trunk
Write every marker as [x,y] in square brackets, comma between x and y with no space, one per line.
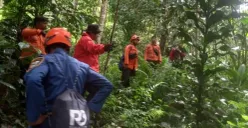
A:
[162,44]
[1,3]
[75,4]
[163,38]
[245,50]
[102,19]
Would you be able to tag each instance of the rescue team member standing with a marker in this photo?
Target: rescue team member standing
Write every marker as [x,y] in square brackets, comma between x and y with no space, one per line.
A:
[35,39]
[45,79]
[177,53]
[152,52]
[87,51]
[130,60]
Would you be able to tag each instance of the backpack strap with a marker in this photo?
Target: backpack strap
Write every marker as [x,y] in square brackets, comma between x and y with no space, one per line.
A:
[74,86]
[155,51]
[47,112]
[66,76]
[76,79]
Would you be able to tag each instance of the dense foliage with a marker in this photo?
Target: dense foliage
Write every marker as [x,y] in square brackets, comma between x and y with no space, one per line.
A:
[208,90]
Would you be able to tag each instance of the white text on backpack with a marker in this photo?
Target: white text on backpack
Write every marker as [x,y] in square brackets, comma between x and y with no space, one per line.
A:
[78,116]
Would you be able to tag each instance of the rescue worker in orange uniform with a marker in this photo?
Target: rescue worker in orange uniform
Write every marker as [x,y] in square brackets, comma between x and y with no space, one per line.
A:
[33,45]
[177,53]
[87,51]
[130,60]
[153,52]
[35,37]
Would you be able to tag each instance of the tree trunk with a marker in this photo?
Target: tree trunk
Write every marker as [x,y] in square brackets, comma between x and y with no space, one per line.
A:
[102,19]
[75,4]
[1,3]
[162,44]
[163,38]
[245,51]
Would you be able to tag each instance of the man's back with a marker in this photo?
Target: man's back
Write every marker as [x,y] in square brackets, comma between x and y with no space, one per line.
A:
[131,62]
[152,53]
[35,39]
[88,52]
[62,73]
[53,75]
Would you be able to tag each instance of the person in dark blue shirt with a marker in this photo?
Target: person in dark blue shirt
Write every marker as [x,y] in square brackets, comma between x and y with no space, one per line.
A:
[45,79]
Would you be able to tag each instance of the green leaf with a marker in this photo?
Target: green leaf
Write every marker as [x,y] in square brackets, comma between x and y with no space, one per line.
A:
[215,18]
[245,117]
[211,36]
[241,70]
[191,15]
[233,74]
[214,71]
[224,48]
[240,37]
[225,31]
[244,20]
[230,123]
[7,85]
[184,34]
[203,4]
[30,15]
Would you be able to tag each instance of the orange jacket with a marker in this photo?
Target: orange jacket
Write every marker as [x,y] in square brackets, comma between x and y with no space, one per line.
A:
[129,51]
[175,54]
[35,40]
[88,52]
[150,54]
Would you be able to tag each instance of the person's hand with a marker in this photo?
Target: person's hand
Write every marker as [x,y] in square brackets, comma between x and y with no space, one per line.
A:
[43,33]
[40,120]
[108,47]
[178,50]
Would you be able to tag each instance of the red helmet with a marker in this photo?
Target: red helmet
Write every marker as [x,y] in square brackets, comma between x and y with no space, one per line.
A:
[134,37]
[58,35]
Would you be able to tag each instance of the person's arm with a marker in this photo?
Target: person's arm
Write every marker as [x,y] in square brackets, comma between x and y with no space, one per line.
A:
[126,55]
[146,52]
[172,54]
[182,54]
[30,32]
[91,47]
[104,87]
[35,94]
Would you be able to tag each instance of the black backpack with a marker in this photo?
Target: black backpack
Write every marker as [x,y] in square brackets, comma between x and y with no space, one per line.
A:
[70,109]
[121,63]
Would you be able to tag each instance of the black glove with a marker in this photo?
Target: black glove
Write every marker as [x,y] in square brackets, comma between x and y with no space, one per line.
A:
[108,47]
[43,33]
